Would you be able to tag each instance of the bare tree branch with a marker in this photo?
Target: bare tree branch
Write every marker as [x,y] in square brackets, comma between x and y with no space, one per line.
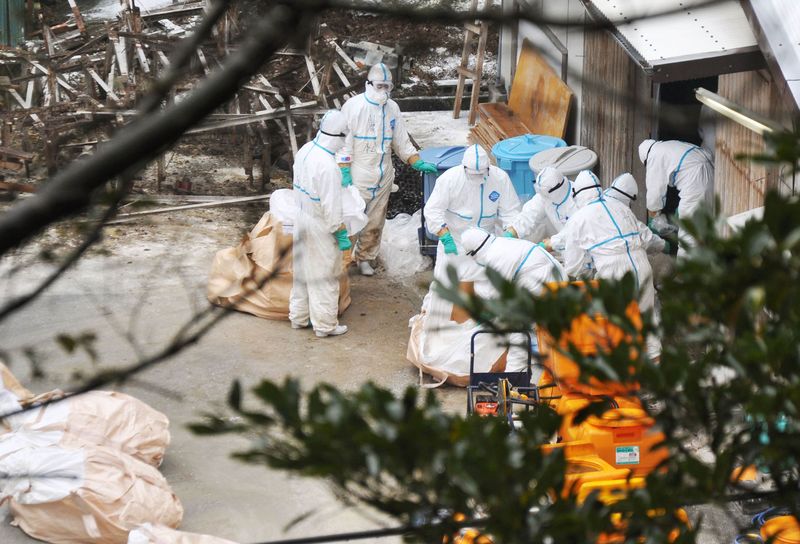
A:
[70,191]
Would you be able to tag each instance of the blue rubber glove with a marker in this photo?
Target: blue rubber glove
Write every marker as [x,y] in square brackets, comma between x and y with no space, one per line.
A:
[508,234]
[347,177]
[343,240]
[426,167]
[667,248]
[448,243]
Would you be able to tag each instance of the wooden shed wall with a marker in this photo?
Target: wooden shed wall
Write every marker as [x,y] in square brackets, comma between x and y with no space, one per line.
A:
[617,110]
[12,22]
[741,185]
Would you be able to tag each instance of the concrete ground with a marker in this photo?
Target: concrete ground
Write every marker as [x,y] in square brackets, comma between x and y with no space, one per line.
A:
[146,280]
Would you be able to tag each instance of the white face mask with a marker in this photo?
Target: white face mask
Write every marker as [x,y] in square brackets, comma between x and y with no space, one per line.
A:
[381,97]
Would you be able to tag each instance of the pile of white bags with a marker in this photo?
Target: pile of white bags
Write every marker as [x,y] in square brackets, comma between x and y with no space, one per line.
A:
[100,418]
[158,534]
[83,469]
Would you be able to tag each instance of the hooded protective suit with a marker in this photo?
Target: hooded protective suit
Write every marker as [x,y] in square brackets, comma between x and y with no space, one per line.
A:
[684,166]
[376,129]
[625,189]
[529,265]
[548,211]
[474,194]
[608,232]
[317,257]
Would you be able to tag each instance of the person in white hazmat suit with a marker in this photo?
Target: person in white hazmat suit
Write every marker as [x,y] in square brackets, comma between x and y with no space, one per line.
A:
[689,169]
[319,236]
[607,232]
[376,129]
[545,215]
[529,265]
[625,189]
[474,194]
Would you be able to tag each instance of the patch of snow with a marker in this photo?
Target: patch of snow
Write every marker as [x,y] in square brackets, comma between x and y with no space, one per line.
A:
[437,128]
[109,9]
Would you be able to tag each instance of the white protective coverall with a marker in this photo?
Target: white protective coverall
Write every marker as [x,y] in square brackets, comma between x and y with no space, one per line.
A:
[529,265]
[607,231]
[547,212]
[317,258]
[376,128]
[684,166]
[485,198]
[625,189]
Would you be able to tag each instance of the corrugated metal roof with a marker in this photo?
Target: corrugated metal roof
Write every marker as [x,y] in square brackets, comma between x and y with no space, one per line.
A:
[778,23]
[661,34]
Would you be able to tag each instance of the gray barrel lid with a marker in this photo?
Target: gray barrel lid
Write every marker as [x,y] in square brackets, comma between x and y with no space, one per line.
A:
[568,160]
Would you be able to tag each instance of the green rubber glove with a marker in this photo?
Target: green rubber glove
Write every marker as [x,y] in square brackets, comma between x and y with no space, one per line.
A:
[426,167]
[347,177]
[667,248]
[449,244]
[343,240]
[508,234]
[652,226]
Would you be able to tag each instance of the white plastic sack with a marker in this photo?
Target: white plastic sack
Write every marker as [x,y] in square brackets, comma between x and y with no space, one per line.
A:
[400,246]
[158,534]
[283,206]
[100,418]
[77,496]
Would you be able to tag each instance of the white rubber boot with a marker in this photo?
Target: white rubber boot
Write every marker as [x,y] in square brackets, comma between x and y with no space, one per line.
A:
[366,269]
[338,331]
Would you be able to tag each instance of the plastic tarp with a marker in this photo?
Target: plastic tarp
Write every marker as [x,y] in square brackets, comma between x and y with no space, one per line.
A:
[256,276]
[399,250]
[99,418]
[93,494]
[158,534]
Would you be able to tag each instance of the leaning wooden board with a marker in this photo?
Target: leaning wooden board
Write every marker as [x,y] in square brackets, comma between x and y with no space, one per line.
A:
[539,103]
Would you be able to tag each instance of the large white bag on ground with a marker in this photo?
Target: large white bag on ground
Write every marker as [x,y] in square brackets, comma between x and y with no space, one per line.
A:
[102,418]
[399,250]
[263,258]
[444,352]
[158,534]
[92,494]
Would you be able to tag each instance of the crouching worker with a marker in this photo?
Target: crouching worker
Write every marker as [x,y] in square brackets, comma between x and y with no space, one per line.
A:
[320,238]
[527,264]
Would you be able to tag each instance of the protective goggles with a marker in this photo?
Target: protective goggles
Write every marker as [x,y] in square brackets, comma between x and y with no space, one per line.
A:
[557,187]
[477,249]
[579,191]
[473,172]
[340,135]
[382,85]
[632,197]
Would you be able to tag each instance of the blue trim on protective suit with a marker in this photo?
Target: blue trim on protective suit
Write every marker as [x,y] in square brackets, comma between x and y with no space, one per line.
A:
[305,192]
[370,101]
[364,137]
[622,236]
[328,151]
[566,196]
[680,165]
[527,255]
[464,217]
